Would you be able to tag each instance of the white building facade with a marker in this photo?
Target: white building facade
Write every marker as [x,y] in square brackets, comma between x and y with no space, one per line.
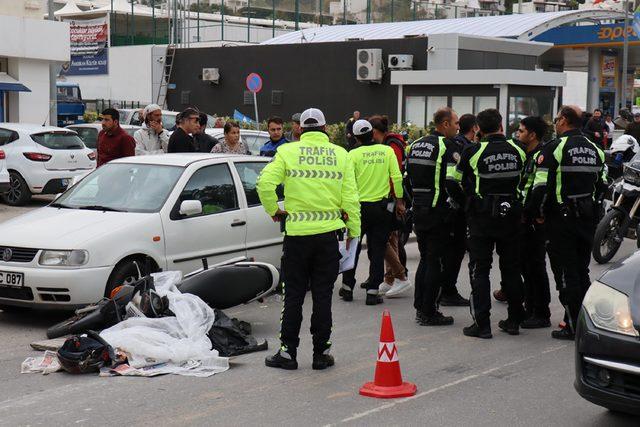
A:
[29,45]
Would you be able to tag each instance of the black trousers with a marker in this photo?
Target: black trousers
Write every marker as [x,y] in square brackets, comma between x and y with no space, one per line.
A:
[570,243]
[458,244]
[376,223]
[533,265]
[309,262]
[433,231]
[485,233]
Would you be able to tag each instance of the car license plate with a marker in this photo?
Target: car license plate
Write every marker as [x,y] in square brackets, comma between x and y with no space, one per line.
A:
[8,278]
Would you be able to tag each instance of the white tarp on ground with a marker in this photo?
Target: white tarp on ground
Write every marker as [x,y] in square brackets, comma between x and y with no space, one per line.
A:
[178,345]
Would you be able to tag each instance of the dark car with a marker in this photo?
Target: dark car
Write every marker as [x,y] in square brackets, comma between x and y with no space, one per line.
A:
[608,339]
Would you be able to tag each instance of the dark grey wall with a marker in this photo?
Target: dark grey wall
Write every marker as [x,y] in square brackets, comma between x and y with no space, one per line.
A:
[321,75]
[477,60]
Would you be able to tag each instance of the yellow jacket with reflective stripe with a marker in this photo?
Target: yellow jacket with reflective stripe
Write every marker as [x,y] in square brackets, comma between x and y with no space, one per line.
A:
[374,166]
[319,185]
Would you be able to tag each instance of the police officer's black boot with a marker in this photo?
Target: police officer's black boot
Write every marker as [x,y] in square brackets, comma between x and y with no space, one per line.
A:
[373,299]
[510,326]
[478,331]
[322,361]
[534,322]
[563,334]
[436,319]
[419,316]
[345,294]
[453,300]
[283,360]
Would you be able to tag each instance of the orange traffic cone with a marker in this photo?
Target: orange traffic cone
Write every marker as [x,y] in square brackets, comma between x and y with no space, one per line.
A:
[388,378]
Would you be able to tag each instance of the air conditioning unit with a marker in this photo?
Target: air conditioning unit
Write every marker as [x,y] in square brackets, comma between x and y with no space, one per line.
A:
[400,62]
[369,65]
[211,75]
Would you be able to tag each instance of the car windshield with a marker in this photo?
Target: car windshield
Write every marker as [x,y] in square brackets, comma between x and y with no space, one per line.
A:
[254,142]
[169,121]
[130,131]
[123,187]
[68,94]
[58,140]
[88,135]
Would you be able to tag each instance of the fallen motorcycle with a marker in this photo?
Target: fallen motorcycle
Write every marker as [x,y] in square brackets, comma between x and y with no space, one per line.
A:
[221,286]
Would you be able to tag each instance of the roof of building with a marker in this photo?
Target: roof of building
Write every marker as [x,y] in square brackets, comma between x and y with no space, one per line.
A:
[524,26]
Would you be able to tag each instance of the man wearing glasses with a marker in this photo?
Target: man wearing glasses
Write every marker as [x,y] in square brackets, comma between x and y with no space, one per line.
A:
[188,123]
[571,176]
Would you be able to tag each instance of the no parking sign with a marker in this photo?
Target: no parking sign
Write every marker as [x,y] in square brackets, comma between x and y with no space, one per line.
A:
[254,85]
[254,82]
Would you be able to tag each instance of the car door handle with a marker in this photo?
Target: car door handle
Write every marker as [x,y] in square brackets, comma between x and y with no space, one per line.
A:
[238,223]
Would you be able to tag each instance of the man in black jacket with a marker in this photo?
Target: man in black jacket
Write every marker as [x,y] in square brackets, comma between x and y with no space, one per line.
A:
[204,142]
[633,128]
[188,123]
[594,129]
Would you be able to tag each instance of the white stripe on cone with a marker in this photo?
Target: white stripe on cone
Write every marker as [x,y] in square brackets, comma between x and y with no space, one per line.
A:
[387,352]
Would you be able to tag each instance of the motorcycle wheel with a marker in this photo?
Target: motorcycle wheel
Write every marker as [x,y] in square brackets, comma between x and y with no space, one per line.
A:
[609,236]
[77,324]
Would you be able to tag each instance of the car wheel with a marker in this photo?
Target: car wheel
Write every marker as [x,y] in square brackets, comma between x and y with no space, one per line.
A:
[125,273]
[18,193]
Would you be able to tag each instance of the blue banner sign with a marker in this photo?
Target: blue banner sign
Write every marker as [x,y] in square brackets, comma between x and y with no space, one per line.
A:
[588,35]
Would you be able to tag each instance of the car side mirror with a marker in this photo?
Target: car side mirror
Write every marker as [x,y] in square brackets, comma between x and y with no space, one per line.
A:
[190,207]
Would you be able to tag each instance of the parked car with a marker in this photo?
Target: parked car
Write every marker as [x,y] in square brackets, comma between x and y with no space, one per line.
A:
[133,116]
[5,181]
[608,339]
[174,209]
[41,160]
[253,138]
[88,132]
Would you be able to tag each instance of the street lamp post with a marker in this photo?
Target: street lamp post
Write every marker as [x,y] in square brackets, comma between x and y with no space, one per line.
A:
[625,55]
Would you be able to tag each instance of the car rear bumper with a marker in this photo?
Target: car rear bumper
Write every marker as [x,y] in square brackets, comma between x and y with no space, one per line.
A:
[55,288]
[607,367]
[50,181]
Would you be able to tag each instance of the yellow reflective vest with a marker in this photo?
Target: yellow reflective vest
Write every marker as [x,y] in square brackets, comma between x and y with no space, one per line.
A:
[375,165]
[319,186]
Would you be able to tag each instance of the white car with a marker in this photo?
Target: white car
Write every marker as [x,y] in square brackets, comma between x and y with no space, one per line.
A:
[42,160]
[5,181]
[133,116]
[88,132]
[172,209]
[253,138]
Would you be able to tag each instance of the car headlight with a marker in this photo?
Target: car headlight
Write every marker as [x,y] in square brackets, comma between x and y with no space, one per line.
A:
[74,258]
[631,175]
[609,309]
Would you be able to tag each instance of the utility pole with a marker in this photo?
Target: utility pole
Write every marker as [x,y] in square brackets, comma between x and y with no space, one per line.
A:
[53,93]
[625,55]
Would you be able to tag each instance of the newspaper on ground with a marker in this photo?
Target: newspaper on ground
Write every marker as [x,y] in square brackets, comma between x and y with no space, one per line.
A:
[46,364]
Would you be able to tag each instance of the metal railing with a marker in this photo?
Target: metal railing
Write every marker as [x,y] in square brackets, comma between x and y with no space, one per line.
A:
[183,22]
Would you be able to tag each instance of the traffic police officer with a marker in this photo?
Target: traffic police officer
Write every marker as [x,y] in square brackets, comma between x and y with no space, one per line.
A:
[572,176]
[490,174]
[320,197]
[431,164]
[375,167]
[533,253]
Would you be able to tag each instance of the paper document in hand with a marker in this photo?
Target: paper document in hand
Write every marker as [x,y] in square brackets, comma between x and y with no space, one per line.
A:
[348,260]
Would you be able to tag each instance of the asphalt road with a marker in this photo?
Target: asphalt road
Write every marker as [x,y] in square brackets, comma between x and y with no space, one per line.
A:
[525,380]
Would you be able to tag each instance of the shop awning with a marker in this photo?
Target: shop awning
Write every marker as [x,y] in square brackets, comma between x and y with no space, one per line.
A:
[9,84]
